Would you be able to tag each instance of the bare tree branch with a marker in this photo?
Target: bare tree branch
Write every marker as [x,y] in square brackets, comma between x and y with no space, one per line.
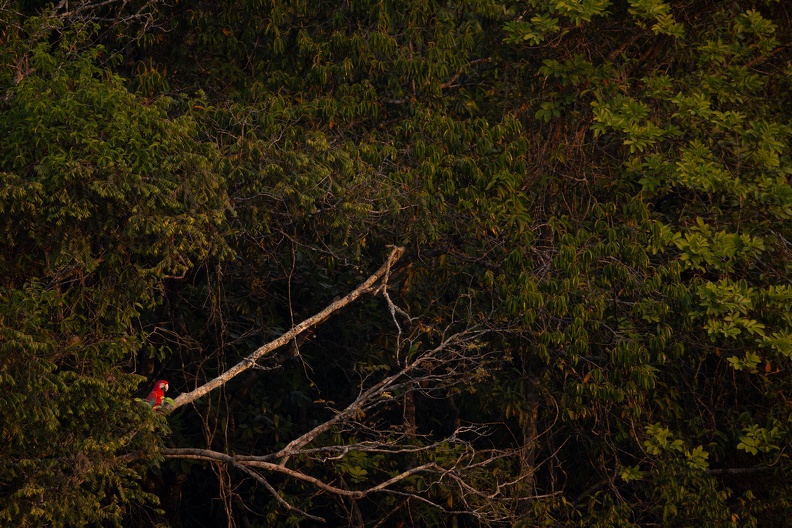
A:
[365,287]
[209,455]
[370,395]
[112,12]
[740,471]
[454,358]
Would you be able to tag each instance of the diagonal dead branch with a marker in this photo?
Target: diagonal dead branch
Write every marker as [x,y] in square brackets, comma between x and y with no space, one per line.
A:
[222,379]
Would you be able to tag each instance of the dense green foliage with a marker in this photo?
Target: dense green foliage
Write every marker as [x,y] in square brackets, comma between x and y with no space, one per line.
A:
[601,185]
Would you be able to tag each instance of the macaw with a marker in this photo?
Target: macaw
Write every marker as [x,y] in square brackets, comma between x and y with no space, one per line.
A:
[157,393]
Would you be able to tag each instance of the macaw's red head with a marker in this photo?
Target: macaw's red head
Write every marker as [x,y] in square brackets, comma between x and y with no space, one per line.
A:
[162,385]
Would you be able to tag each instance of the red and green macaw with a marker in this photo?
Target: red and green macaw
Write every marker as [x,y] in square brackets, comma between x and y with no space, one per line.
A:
[157,393]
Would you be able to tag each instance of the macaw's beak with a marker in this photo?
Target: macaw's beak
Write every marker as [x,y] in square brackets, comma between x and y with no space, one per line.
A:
[165,388]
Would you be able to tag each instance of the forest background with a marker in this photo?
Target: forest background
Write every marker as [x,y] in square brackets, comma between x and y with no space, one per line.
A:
[574,216]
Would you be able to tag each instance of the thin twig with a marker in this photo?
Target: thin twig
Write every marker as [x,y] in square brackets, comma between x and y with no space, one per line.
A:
[275,494]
